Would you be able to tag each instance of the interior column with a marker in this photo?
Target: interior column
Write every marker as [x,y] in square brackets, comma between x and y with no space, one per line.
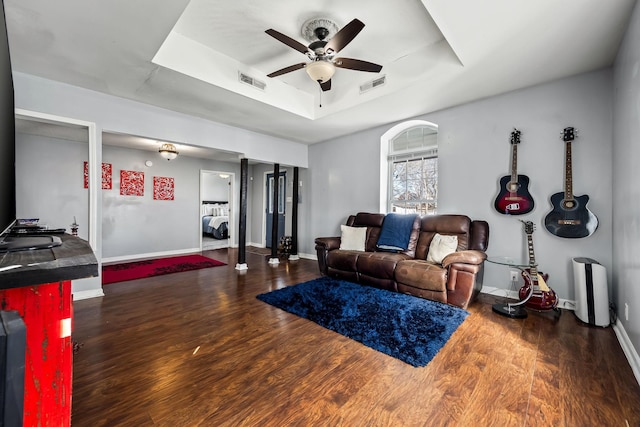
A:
[294,217]
[242,232]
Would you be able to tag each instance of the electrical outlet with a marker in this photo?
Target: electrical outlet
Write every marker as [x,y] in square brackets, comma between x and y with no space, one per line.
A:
[514,275]
[626,312]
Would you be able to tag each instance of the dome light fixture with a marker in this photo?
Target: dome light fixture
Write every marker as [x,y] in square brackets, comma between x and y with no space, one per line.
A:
[320,71]
[168,151]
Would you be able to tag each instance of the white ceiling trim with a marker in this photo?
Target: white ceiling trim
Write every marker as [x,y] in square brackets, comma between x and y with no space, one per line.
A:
[193,59]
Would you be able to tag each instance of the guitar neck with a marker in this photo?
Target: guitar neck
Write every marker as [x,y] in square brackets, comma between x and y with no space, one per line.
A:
[568,179]
[536,280]
[532,256]
[514,163]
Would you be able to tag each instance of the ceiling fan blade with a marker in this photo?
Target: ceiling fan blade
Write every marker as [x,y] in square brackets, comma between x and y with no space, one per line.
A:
[344,36]
[288,69]
[326,85]
[357,64]
[288,41]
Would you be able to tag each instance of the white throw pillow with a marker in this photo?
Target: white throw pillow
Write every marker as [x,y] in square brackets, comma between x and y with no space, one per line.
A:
[353,238]
[440,247]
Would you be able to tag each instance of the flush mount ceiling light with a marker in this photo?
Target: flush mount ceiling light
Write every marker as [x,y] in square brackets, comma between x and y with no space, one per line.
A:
[168,151]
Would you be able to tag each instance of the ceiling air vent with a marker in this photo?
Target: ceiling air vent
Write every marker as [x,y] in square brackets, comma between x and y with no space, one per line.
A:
[373,84]
[245,78]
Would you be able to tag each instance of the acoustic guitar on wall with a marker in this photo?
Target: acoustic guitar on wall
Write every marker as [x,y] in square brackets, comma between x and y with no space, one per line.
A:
[514,197]
[540,295]
[570,217]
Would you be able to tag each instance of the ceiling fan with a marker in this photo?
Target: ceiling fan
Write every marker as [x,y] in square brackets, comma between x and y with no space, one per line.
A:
[322,52]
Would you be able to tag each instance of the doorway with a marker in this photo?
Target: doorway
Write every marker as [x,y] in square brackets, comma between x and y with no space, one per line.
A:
[272,204]
[217,212]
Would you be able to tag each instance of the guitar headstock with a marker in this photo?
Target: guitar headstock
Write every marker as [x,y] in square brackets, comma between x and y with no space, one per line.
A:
[569,134]
[528,226]
[515,137]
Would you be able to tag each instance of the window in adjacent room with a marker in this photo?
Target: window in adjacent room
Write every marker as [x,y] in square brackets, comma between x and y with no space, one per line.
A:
[412,163]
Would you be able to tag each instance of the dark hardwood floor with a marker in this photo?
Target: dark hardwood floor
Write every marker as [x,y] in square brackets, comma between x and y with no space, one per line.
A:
[198,349]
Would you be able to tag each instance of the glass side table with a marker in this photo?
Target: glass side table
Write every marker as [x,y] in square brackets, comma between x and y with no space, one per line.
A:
[513,310]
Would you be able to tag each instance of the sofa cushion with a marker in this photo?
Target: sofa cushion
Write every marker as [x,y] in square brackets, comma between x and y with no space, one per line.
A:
[422,275]
[440,247]
[373,222]
[343,260]
[379,264]
[451,225]
[352,238]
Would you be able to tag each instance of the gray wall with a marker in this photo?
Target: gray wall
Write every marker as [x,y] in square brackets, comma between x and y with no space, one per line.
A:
[626,176]
[214,187]
[134,226]
[258,190]
[474,152]
[48,190]
[50,187]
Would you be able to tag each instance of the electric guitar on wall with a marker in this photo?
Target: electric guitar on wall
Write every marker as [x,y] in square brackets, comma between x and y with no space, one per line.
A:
[542,296]
[570,217]
[514,197]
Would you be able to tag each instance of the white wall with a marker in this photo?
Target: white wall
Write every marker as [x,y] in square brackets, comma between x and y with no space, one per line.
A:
[626,176]
[474,152]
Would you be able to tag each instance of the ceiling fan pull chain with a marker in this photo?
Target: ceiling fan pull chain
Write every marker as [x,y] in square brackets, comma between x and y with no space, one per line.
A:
[320,91]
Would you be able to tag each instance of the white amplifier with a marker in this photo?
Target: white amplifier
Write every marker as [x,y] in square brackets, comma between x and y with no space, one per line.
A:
[591,292]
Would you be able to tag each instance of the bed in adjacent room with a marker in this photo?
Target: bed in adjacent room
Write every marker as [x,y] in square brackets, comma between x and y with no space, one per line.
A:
[215,219]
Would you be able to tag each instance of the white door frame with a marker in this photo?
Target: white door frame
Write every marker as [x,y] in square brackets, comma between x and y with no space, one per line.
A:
[89,287]
[95,172]
[233,241]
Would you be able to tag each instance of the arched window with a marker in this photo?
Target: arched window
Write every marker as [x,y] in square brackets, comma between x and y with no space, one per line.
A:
[410,159]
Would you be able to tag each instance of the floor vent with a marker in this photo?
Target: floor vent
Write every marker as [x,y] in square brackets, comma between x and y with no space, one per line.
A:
[373,84]
[244,78]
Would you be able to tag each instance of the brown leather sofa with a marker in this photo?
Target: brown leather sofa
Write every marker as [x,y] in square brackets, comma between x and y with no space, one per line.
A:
[456,281]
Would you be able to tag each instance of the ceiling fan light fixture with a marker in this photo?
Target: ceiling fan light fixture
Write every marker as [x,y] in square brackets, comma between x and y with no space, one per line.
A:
[168,151]
[320,71]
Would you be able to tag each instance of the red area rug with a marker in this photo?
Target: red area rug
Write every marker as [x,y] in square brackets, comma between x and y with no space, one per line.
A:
[155,267]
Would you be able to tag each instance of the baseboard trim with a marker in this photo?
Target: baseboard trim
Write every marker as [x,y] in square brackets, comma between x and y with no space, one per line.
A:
[150,255]
[92,293]
[308,256]
[628,349]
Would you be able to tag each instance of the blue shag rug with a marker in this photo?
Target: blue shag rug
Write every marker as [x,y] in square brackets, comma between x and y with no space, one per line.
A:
[408,328]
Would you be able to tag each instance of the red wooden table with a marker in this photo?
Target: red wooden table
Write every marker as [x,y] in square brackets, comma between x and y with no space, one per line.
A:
[47,313]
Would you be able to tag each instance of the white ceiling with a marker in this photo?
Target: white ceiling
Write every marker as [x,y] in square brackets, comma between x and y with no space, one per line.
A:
[185,55]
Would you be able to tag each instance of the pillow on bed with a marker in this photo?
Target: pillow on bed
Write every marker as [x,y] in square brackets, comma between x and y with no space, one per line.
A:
[353,238]
[205,210]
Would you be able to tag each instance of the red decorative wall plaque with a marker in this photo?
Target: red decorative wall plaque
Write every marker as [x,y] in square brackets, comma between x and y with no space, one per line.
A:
[131,183]
[163,188]
[107,180]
